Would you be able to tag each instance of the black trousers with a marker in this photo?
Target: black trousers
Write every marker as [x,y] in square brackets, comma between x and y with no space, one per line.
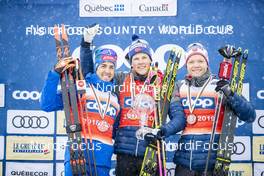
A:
[128,165]
[182,171]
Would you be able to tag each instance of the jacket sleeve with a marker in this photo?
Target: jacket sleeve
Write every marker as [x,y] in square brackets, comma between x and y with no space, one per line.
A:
[86,57]
[116,124]
[50,99]
[176,114]
[242,108]
[119,80]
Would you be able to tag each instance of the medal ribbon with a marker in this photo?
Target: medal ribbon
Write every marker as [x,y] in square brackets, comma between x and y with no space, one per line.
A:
[133,89]
[101,111]
[190,105]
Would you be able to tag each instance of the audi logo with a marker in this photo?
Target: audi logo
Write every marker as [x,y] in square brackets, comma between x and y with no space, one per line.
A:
[261,121]
[30,122]
[238,148]
[25,95]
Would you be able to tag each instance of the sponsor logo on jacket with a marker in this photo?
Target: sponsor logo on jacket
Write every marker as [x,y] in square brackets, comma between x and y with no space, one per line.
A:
[93,107]
[203,102]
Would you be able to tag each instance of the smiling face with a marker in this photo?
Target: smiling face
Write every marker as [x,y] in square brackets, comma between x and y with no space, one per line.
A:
[106,71]
[196,65]
[141,63]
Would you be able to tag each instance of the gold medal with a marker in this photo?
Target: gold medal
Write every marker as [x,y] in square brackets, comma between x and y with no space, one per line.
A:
[191,119]
[103,126]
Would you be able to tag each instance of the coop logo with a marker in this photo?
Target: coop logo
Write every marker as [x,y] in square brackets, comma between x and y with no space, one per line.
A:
[160,8]
[128,102]
[30,122]
[260,94]
[25,95]
[200,103]
[102,8]
[93,107]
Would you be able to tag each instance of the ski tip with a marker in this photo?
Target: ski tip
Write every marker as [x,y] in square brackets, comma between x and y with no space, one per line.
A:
[56,32]
[179,54]
[245,54]
[64,33]
[239,49]
[237,52]
[173,49]
[227,51]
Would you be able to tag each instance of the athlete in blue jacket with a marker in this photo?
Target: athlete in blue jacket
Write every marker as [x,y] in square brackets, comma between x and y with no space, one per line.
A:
[192,109]
[102,105]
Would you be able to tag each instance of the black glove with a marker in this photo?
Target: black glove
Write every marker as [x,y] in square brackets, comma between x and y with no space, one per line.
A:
[153,137]
[64,64]
[161,134]
[223,86]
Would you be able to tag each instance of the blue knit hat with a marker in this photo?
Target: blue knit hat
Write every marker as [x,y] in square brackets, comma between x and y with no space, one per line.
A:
[138,46]
[104,55]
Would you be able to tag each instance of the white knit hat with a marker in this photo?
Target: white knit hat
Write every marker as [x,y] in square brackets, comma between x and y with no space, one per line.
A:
[196,49]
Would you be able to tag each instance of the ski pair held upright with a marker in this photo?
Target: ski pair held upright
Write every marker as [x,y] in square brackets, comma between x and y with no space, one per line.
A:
[73,89]
[155,156]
